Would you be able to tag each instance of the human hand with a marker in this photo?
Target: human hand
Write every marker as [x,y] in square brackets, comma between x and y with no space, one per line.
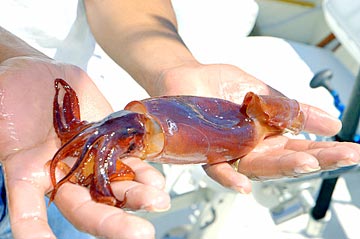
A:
[28,141]
[276,156]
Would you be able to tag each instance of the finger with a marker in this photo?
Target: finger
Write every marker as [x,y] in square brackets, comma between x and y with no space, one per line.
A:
[277,164]
[279,156]
[145,173]
[339,156]
[300,144]
[25,193]
[146,192]
[27,209]
[271,158]
[329,154]
[319,122]
[140,196]
[224,174]
[100,219]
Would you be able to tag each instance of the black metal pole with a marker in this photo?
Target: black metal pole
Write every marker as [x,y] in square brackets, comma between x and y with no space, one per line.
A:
[350,122]
[350,119]
[324,198]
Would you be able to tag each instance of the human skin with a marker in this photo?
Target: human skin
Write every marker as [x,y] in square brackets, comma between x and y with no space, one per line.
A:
[28,141]
[142,37]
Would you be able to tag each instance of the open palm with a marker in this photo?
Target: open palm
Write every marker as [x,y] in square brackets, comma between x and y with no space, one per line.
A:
[28,141]
[276,156]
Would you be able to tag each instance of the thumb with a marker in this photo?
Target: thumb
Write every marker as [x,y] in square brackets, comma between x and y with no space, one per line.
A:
[319,122]
[26,205]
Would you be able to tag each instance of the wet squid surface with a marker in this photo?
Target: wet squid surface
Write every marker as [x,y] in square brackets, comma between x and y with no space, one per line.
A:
[169,129]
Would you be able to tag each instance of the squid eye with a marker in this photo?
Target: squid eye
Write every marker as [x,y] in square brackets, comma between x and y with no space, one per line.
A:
[130,131]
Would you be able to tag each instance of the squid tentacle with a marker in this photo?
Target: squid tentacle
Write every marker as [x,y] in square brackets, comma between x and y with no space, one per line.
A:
[66,150]
[67,118]
[86,150]
[100,187]
[69,149]
[110,168]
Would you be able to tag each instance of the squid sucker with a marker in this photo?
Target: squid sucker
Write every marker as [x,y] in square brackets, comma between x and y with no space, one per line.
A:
[168,129]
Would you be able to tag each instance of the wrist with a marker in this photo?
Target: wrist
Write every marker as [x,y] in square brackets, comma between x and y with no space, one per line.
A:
[169,79]
[149,60]
[11,46]
[177,79]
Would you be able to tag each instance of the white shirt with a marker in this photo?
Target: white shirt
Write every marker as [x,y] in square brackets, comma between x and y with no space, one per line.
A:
[59,29]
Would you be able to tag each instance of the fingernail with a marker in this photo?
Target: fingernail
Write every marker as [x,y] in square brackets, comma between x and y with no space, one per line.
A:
[162,209]
[306,169]
[160,204]
[242,191]
[239,189]
[345,163]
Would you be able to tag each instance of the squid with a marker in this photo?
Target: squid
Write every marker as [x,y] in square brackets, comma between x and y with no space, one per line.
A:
[168,129]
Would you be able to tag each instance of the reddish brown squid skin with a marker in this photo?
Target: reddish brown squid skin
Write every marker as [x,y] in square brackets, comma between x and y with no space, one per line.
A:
[169,129]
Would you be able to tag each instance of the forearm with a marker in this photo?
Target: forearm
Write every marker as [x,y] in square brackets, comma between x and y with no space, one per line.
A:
[141,36]
[12,46]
